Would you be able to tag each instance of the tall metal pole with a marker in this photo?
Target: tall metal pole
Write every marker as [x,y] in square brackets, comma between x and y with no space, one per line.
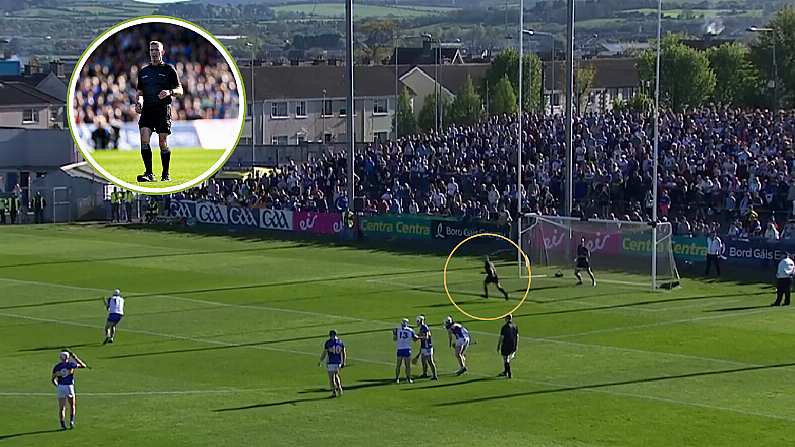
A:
[656,146]
[552,91]
[253,107]
[519,151]
[569,110]
[350,124]
[437,55]
[775,74]
[397,134]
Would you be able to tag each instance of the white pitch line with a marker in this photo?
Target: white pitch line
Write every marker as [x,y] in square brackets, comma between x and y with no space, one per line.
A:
[659,323]
[559,385]
[552,339]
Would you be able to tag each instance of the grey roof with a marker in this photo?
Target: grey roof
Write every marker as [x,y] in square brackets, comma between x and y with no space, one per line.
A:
[309,81]
[453,77]
[422,55]
[16,93]
[610,73]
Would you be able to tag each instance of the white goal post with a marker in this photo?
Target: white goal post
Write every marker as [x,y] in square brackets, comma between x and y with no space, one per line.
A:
[640,250]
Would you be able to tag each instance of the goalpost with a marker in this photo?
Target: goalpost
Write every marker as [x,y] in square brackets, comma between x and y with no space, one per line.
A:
[638,251]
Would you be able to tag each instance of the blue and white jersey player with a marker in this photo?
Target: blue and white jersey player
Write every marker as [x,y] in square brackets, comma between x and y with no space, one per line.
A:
[404,336]
[426,348]
[335,354]
[115,306]
[461,335]
[63,377]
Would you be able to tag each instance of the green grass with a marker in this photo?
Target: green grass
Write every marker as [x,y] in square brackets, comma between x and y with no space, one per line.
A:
[186,164]
[222,336]
[362,11]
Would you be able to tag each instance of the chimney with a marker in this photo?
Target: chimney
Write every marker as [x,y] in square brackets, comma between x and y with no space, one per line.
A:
[56,67]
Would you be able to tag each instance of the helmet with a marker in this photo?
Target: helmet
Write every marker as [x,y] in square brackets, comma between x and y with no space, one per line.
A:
[404,322]
[332,333]
[448,322]
[420,319]
[117,292]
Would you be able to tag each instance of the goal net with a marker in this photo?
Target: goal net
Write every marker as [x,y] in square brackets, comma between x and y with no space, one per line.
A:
[627,252]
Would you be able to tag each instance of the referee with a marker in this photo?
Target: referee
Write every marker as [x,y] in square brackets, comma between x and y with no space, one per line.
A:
[507,344]
[157,84]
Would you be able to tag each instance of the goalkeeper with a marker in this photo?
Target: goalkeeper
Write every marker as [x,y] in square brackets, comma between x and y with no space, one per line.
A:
[583,262]
[491,277]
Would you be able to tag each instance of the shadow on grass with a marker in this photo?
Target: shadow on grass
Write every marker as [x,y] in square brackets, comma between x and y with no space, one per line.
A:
[368,383]
[597,386]
[18,435]
[273,404]
[57,348]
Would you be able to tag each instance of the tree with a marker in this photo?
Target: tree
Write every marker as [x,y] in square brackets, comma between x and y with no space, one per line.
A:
[427,116]
[783,25]
[583,81]
[379,38]
[407,124]
[686,79]
[467,107]
[737,77]
[506,64]
[504,99]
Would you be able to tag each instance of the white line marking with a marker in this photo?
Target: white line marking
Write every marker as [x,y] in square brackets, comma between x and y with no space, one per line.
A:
[605,391]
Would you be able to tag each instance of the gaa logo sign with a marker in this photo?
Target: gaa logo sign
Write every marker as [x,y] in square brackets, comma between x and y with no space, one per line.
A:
[180,208]
[211,213]
[242,216]
[276,220]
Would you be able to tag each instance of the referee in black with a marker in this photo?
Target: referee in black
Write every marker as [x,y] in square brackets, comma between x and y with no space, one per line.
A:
[157,84]
[507,344]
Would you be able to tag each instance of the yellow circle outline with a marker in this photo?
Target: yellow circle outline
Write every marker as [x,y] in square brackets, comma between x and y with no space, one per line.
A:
[526,292]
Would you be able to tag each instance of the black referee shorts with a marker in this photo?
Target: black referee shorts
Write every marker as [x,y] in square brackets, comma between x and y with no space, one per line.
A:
[156,118]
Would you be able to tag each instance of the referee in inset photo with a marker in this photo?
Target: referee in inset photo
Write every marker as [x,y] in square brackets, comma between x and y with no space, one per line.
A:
[157,84]
[507,345]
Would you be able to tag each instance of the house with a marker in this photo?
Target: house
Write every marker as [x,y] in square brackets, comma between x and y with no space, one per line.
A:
[307,103]
[25,106]
[614,78]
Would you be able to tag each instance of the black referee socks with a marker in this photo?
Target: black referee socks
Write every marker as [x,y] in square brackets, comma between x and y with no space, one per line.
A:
[165,158]
[146,155]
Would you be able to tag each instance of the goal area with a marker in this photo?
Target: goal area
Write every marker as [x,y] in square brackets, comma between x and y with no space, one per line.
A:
[634,253]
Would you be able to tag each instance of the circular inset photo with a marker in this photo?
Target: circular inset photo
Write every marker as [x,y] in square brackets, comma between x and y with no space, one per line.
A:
[156,104]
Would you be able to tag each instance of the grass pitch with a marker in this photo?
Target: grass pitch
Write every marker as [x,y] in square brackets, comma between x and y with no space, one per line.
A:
[222,336]
[186,164]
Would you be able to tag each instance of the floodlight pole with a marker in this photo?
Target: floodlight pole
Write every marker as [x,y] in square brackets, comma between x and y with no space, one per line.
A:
[656,149]
[569,108]
[350,124]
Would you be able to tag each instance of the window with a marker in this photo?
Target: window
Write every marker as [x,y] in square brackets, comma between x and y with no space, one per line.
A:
[29,116]
[379,106]
[279,110]
[380,136]
[282,140]
[300,138]
[300,109]
[328,108]
[328,138]
[343,109]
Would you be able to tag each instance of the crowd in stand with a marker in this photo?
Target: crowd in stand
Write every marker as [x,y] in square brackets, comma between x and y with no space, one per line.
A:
[106,89]
[719,169]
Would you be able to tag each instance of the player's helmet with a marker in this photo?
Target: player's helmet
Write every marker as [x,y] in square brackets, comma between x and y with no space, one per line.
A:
[404,322]
[420,319]
[448,322]
[117,292]
[332,333]
[63,355]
